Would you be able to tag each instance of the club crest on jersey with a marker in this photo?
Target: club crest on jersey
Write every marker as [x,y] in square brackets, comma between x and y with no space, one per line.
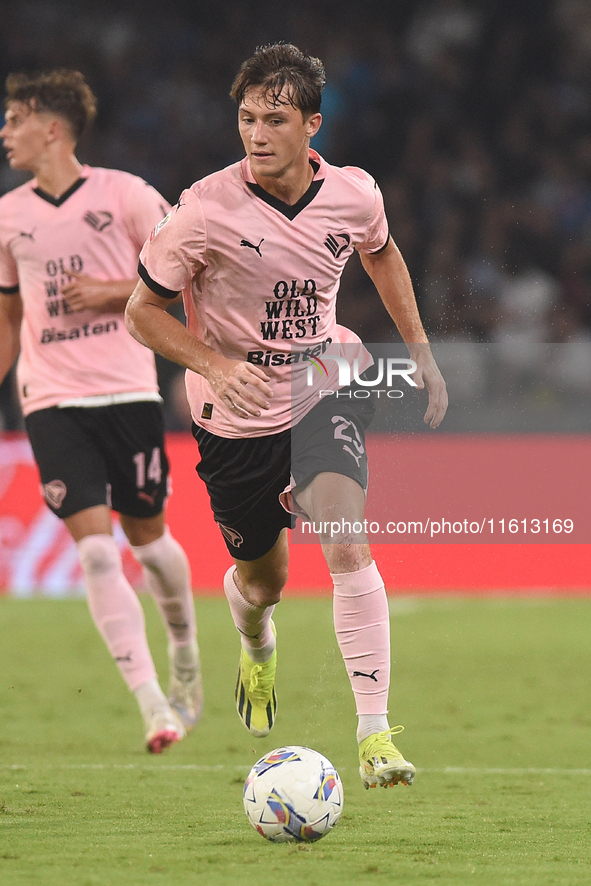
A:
[54,493]
[98,220]
[337,243]
[160,225]
[231,535]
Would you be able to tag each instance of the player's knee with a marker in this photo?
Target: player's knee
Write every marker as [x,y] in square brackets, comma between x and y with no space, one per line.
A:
[264,595]
[98,554]
[266,591]
[347,557]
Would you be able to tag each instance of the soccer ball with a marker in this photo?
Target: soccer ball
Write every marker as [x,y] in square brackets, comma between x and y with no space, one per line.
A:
[293,794]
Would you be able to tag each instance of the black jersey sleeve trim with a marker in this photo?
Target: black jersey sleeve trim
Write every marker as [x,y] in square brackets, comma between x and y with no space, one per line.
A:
[9,290]
[155,287]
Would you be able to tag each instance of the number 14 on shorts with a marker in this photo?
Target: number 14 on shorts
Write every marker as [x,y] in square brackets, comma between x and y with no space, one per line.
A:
[154,471]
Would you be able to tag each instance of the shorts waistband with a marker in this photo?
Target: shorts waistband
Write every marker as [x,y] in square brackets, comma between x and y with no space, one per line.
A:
[110,399]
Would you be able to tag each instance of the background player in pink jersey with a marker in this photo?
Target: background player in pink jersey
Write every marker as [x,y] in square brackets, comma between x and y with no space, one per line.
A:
[69,243]
[232,245]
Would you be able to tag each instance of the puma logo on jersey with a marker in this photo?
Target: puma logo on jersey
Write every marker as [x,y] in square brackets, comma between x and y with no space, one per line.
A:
[28,236]
[337,243]
[252,246]
[98,220]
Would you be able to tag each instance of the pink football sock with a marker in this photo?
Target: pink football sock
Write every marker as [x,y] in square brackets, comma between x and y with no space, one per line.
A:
[116,609]
[168,579]
[253,622]
[362,626]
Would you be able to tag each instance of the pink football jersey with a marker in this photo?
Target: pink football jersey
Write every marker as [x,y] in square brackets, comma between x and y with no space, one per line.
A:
[97,227]
[260,277]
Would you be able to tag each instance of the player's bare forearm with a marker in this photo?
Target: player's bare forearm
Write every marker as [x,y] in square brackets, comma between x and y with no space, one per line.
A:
[148,321]
[84,293]
[11,313]
[242,386]
[389,274]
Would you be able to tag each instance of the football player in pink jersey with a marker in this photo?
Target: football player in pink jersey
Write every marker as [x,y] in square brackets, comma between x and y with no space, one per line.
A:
[258,250]
[69,245]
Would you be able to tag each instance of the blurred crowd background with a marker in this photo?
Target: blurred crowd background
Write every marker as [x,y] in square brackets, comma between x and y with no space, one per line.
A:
[473,115]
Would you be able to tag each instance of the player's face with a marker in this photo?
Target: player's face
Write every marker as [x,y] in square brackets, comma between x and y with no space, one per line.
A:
[25,135]
[275,136]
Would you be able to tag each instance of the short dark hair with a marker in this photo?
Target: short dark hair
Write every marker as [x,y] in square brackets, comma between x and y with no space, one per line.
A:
[279,66]
[63,92]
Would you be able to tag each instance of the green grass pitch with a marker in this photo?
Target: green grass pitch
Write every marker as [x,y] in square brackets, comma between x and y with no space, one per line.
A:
[494,694]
